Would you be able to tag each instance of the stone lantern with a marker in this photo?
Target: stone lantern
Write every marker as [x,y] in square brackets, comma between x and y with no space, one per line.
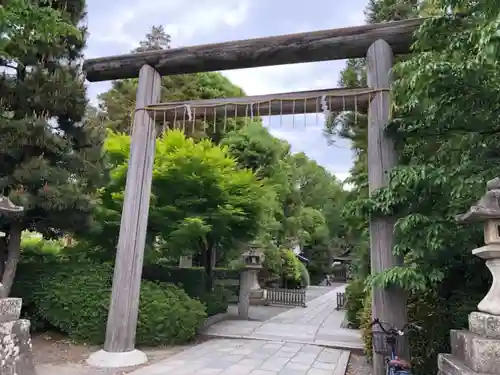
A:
[477,350]
[250,291]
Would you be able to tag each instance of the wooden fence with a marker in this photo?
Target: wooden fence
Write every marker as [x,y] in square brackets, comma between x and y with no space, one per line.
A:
[289,297]
[341,300]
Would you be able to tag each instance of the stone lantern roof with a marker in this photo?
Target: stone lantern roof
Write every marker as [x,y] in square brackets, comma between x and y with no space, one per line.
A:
[488,207]
[9,209]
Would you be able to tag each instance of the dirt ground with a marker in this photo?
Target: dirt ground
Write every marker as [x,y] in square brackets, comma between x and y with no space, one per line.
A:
[358,365]
[54,354]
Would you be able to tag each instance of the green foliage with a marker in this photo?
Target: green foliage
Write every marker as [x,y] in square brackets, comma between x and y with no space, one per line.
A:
[365,320]
[167,315]
[200,201]
[73,297]
[31,243]
[191,280]
[58,295]
[290,269]
[305,279]
[355,298]
[216,301]
[446,131]
[26,26]
[50,163]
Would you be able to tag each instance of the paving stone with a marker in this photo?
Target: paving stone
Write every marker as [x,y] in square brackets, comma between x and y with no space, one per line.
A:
[239,369]
[274,364]
[292,372]
[251,362]
[315,371]
[209,371]
[278,352]
[295,367]
[304,358]
[324,366]
[329,355]
[311,349]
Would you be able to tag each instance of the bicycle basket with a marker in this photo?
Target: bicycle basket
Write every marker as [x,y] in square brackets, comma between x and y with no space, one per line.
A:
[382,347]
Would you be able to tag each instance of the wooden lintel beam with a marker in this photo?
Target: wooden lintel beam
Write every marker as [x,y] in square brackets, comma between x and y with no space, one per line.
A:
[334,44]
[290,103]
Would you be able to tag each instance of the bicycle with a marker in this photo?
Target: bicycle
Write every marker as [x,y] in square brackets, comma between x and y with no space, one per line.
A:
[385,342]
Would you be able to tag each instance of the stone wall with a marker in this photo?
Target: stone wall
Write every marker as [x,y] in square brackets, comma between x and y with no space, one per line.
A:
[16,355]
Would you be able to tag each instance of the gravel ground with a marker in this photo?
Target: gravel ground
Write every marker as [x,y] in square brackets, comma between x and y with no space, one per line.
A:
[358,365]
[54,354]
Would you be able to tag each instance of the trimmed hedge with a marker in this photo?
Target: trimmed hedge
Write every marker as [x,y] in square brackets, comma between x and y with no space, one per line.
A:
[74,298]
[192,280]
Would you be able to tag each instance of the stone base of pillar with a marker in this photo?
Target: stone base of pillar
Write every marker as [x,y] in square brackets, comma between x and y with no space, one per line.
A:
[104,359]
[258,297]
[16,355]
[476,351]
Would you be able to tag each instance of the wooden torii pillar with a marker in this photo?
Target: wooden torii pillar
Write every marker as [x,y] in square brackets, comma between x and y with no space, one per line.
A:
[388,305]
[119,347]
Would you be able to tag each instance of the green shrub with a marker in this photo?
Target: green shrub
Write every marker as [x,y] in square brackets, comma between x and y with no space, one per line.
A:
[167,315]
[355,297]
[74,298]
[33,243]
[27,283]
[365,320]
[192,280]
[305,279]
[217,301]
[290,270]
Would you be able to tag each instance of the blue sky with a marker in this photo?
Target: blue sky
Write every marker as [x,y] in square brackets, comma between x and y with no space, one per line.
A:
[116,27]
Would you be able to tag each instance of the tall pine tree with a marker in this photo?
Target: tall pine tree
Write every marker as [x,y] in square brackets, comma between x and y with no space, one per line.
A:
[49,159]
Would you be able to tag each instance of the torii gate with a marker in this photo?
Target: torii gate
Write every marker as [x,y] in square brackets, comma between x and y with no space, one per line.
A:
[377,42]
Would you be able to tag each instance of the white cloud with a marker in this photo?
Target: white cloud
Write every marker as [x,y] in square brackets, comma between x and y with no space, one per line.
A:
[203,16]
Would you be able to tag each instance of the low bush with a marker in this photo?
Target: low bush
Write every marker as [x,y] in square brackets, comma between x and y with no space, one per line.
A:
[167,315]
[217,301]
[192,280]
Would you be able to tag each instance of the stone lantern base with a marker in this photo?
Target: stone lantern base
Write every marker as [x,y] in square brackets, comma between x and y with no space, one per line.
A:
[16,356]
[476,351]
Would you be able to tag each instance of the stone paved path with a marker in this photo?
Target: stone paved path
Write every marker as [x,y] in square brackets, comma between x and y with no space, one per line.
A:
[252,357]
[293,342]
[319,323]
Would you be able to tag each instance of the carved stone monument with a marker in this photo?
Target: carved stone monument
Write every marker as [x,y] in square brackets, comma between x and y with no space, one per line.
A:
[250,290]
[16,355]
[477,350]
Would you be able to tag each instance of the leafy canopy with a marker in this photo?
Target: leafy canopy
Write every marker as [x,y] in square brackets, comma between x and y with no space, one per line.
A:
[200,197]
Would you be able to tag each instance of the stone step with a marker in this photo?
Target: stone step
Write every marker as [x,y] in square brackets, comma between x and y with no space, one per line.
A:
[480,354]
[483,324]
[450,365]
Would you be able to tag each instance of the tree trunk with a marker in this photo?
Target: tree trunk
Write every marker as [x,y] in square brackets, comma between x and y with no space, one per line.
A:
[14,252]
[208,257]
